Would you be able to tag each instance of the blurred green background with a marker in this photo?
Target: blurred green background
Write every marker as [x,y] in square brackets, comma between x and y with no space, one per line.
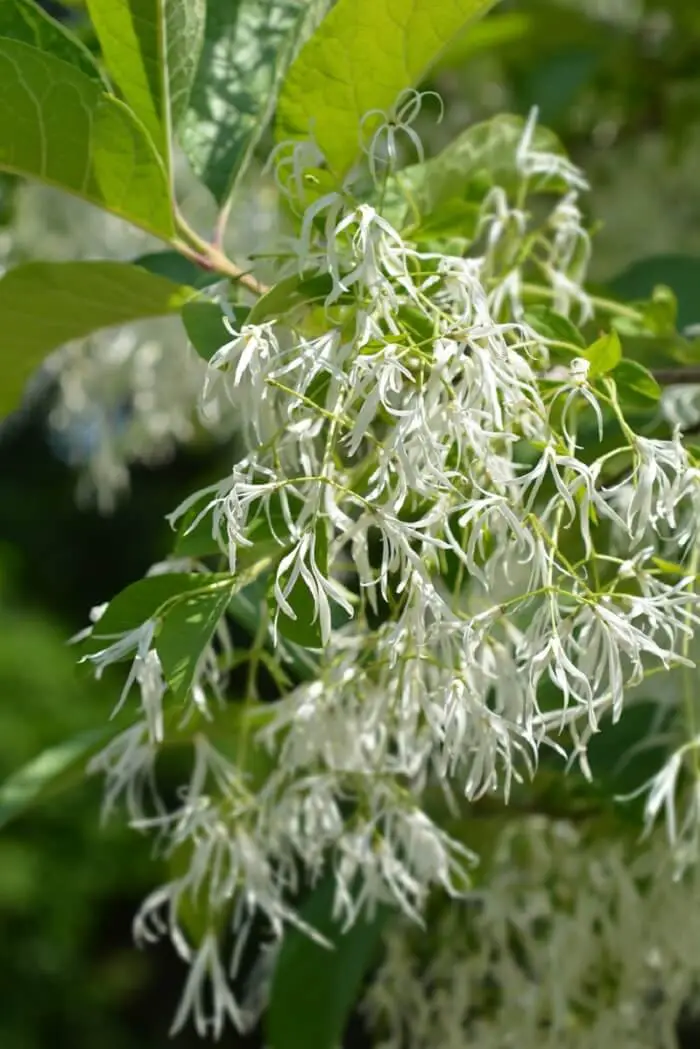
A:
[619,80]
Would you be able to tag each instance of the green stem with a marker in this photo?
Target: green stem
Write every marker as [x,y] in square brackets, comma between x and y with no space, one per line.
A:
[603,305]
[211,256]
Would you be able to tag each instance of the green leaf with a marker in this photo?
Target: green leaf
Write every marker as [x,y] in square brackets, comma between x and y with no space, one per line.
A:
[55,770]
[553,325]
[46,304]
[204,324]
[144,600]
[56,125]
[152,49]
[305,629]
[625,755]
[604,354]
[480,157]
[176,267]
[458,219]
[187,629]
[248,46]
[365,53]
[636,387]
[25,21]
[314,988]
[680,273]
[195,542]
[290,295]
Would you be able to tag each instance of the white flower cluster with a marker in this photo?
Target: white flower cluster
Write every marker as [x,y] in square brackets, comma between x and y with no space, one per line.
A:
[415,457]
[571,943]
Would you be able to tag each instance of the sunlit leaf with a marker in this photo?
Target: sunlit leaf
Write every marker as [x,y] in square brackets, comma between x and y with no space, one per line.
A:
[25,21]
[365,53]
[58,126]
[152,49]
[248,46]
[603,355]
[463,173]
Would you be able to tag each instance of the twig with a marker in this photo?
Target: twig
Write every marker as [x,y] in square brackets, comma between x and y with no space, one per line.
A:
[689,376]
[211,257]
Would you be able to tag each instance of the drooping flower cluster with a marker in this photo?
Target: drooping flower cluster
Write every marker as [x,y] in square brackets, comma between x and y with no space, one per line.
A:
[421,466]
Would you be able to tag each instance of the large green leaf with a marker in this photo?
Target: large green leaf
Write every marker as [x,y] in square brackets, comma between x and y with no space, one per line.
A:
[313,987]
[54,770]
[25,21]
[365,53]
[56,125]
[152,49]
[45,304]
[248,47]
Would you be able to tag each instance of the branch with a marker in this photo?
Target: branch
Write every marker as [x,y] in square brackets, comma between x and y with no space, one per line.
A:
[211,257]
[678,376]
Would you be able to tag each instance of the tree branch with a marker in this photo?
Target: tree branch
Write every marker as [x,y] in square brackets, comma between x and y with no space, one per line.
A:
[689,376]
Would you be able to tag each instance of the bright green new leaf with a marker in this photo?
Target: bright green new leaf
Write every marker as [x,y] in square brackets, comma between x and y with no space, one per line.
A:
[365,53]
[454,221]
[248,46]
[604,355]
[58,126]
[314,987]
[196,540]
[152,49]
[54,770]
[25,21]
[45,304]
